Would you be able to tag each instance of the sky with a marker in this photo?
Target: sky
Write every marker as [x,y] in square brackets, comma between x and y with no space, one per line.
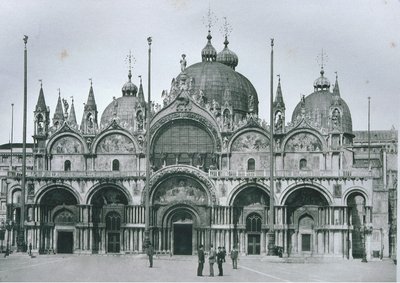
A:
[72,41]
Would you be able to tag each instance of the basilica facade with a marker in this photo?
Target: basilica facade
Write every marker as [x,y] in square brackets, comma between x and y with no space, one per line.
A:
[335,193]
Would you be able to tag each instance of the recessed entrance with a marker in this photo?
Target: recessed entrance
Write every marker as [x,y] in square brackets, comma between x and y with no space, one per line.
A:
[183,239]
[65,242]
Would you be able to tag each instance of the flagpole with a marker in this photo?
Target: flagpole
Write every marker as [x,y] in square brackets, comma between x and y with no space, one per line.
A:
[148,114]
[271,232]
[21,236]
[369,133]
[12,136]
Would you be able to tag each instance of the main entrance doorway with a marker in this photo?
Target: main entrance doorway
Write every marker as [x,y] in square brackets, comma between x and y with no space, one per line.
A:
[65,242]
[183,238]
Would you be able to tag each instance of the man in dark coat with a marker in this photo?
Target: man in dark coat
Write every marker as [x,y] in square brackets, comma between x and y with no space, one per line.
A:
[150,253]
[220,260]
[200,254]
[234,257]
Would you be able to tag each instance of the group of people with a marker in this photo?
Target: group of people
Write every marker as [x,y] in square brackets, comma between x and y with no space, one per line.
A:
[214,256]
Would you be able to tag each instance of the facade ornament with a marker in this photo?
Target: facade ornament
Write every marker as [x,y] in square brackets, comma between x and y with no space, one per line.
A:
[183,62]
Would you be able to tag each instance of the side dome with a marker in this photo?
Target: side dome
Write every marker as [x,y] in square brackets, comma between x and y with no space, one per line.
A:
[318,107]
[122,109]
[214,78]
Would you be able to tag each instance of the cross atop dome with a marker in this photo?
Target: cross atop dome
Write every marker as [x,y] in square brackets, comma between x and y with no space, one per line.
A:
[322,59]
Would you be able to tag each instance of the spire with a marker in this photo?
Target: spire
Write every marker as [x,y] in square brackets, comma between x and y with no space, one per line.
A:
[336,90]
[279,97]
[89,118]
[72,115]
[58,114]
[141,94]
[91,103]
[41,103]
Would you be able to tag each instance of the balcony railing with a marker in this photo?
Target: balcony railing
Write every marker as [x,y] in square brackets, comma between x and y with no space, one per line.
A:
[79,174]
[288,174]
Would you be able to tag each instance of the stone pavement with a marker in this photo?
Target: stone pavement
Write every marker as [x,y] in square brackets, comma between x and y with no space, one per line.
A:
[57,268]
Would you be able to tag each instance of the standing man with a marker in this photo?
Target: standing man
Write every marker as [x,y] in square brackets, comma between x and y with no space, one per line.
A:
[220,260]
[211,259]
[30,249]
[150,253]
[234,257]
[200,254]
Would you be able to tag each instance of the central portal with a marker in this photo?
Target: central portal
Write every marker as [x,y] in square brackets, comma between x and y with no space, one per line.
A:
[183,239]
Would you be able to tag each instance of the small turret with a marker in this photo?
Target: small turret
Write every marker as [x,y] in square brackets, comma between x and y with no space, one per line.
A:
[41,115]
[89,119]
[279,110]
[72,116]
[58,118]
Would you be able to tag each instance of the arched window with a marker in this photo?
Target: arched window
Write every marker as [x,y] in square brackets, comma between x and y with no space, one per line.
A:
[16,197]
[67,165]
[251,164]
[303,164]
[253,223]
[113,221]
[115,165]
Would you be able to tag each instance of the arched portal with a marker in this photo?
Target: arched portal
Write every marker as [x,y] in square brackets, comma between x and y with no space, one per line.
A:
[182,224]
[250,210]
[356,204]
[303,207]
[58,207]
[108,204]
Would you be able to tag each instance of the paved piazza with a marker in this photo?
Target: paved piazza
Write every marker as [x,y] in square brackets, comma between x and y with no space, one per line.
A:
[183,268]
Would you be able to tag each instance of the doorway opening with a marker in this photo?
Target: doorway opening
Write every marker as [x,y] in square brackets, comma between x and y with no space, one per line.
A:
[65,242]
[183,239]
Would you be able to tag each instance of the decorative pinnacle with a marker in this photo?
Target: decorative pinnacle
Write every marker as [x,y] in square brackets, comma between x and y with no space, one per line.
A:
[226,29]
[279,77]
[140,78]
[322,59]
[149,40]
[59,91]
[25,39]
[272,42]
[130,59]
[91,81]
[41,83]
[336,75]
[210,20]
[72,99]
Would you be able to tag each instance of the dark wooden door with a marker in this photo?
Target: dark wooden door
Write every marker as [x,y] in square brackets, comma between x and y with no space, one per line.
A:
[183,239]
[113,242]
[65,242]
[306,242]
[253,247]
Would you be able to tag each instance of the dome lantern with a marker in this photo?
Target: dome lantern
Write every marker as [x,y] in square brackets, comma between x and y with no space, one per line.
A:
[209,53]
[228,57]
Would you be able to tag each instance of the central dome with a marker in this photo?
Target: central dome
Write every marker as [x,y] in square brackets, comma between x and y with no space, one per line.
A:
[213,78]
